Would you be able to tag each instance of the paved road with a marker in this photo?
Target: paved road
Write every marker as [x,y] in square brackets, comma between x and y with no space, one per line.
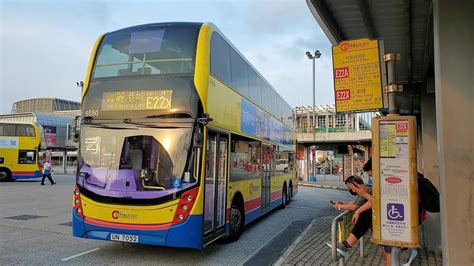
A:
[47,238]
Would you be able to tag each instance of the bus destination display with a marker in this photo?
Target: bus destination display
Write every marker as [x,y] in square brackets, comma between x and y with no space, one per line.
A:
[137,100]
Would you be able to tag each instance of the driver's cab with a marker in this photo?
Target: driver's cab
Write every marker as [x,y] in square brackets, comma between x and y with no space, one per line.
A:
[149,161]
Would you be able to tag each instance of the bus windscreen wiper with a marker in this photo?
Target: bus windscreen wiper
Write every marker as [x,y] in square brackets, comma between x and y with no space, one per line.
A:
[172,115]
[89,121]
[164,125]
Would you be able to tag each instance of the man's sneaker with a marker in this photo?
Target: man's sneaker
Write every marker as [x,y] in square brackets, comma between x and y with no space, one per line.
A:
[413,254]
[341,249]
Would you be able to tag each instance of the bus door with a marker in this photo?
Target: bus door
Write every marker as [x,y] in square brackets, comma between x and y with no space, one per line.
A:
[267,165]
[215,186]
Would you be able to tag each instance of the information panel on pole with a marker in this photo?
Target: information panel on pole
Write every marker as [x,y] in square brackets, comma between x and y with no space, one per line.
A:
[395,183]
[357,78]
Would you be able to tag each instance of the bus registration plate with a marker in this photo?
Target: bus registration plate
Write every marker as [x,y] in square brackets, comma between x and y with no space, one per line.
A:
[124,238]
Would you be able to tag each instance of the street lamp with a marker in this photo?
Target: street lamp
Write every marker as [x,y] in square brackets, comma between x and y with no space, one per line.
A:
[316,55]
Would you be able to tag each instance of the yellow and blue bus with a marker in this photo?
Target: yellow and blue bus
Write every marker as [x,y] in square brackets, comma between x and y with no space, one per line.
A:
[180,138]
[20,144]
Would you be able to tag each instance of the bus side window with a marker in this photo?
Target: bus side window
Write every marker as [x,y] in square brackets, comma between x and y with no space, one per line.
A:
[27,157]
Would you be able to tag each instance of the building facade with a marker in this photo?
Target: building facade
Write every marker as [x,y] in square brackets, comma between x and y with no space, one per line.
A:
[329,142]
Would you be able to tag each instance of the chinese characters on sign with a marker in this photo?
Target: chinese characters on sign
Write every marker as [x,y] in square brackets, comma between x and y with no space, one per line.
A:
[395,196]
[357,81]
[137,100]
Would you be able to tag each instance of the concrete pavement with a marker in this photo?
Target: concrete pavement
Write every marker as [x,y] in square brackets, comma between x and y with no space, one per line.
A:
[311,249]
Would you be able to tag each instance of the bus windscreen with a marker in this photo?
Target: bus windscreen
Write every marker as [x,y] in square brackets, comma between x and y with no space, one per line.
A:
[147,51]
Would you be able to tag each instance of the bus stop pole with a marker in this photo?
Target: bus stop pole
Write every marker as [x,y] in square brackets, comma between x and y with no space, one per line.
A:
[392,90]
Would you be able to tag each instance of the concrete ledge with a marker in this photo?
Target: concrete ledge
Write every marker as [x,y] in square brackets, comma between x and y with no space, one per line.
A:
[322,184]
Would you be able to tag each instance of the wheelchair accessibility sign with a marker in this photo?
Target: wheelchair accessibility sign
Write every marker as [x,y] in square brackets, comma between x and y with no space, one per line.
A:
[395,212]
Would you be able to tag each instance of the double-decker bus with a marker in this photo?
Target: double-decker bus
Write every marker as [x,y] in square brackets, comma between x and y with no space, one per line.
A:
[179,139]
[20,144]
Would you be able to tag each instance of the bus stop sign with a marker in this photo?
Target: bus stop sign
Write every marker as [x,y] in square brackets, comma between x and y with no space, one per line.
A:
[357,78]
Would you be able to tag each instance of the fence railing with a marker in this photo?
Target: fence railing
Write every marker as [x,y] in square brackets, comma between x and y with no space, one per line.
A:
[334,234]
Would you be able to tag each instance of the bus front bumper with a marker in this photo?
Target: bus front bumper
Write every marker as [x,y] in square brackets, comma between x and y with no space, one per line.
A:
[187,234]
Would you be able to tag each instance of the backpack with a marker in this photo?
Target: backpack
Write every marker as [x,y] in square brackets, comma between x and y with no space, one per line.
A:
[429,195]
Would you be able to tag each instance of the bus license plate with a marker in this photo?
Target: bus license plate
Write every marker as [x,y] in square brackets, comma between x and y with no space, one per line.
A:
[124,238]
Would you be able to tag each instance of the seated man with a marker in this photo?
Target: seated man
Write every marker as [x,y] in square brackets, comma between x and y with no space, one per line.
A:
[362,207]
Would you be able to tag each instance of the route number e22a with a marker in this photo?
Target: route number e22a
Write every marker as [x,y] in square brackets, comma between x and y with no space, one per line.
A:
[342,95]
[340,73]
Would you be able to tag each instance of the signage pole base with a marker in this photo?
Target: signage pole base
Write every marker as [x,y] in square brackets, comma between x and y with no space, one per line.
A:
[395,258]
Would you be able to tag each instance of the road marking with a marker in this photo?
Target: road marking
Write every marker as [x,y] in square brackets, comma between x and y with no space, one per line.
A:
[272,250]
[293,245]
[298,207]
[80,254]
[244,260]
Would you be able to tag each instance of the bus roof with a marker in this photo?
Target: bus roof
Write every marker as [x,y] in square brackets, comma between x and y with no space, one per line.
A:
[160,24]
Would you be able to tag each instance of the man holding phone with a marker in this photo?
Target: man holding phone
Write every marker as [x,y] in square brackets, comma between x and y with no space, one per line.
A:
[362,208]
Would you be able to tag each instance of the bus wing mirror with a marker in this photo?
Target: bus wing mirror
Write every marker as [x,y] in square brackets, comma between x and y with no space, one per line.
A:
[205,119]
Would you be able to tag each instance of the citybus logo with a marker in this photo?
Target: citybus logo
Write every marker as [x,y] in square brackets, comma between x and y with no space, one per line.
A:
[116,214]
[344,46]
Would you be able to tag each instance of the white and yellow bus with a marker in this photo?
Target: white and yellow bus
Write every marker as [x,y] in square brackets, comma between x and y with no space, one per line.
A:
[20,144]
[179,139]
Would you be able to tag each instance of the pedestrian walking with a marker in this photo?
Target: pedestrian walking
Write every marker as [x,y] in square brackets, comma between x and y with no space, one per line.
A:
[47,169]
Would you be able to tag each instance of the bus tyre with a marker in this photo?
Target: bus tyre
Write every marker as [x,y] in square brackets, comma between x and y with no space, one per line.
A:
[5,175]
[284,197]
[236,222]
[290,193]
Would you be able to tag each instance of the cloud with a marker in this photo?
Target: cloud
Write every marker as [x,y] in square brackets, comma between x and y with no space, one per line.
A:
[45,46]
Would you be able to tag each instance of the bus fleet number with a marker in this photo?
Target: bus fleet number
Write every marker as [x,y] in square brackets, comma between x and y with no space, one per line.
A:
[92,113]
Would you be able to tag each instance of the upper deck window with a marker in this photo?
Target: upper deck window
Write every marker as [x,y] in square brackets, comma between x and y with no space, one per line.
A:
[17,130]
[152,50]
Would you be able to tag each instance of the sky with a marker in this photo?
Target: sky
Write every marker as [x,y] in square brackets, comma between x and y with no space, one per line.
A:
[45,45]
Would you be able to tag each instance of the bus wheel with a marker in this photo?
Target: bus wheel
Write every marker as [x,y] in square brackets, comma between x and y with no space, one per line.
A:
[284,197]
[5,175]
[290,193]
[236,222]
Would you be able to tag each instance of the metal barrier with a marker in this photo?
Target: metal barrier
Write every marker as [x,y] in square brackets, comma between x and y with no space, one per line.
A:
[334,230]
